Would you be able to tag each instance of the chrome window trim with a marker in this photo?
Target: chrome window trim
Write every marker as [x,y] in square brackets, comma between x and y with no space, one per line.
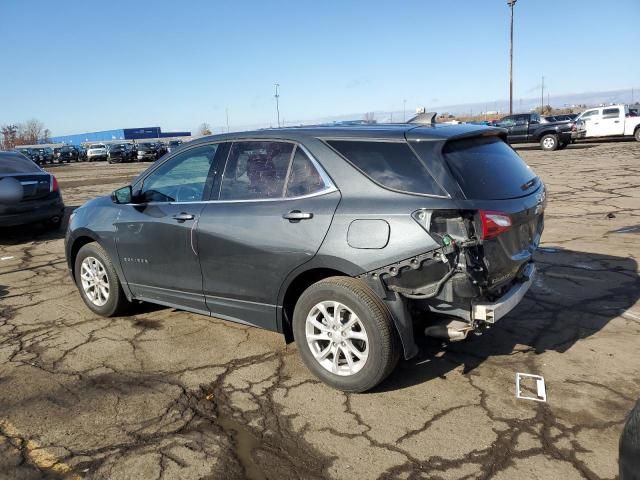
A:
[249,200]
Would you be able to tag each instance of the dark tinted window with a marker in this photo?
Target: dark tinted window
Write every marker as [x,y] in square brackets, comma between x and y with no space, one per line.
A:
[16,163]
[488,169]
[256,170]
[304,178]
[392,165]
[611,113]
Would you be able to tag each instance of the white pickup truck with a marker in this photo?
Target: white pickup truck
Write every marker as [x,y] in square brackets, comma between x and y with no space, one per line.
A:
[610,121]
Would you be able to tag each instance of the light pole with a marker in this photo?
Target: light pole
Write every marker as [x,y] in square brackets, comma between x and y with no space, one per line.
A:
[277,95]
[404,110]
[511,4]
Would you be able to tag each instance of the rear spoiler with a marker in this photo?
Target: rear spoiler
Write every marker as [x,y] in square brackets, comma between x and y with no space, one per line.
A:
[424,118]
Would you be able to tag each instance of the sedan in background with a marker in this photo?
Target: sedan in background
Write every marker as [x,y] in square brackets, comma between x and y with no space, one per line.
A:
[28,194]
[30,153]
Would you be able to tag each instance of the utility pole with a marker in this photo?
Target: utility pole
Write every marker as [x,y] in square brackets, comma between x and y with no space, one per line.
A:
[511,4]
[404,110]
[226,111]
[542,98]
[277,95]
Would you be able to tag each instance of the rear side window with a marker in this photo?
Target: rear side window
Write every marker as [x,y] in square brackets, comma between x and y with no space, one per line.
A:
[390,164]
[304,178]
[611,113]
[17,164]
[488,169]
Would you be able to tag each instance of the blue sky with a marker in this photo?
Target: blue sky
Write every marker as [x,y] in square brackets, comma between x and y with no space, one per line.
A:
[90,65]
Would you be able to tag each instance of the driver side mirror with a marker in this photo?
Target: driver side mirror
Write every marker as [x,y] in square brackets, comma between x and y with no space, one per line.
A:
[122,195]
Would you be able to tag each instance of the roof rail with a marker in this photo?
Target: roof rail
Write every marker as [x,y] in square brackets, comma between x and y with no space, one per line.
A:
[424,118]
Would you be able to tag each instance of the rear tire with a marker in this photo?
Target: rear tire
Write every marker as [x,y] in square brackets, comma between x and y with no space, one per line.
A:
[637,134]
[549,142]
[363,331]
[98,282]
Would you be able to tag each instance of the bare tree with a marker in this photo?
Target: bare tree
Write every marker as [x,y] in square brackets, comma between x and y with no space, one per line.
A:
[204,129]
[32,130]
[9,136]
[46,136]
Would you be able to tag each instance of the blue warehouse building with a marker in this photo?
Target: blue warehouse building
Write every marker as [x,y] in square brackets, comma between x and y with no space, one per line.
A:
[119,134]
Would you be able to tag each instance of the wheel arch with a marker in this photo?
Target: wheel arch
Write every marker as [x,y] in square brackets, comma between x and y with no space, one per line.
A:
[74,247]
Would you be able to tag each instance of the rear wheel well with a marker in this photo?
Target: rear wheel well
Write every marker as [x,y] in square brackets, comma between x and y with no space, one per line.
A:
[295,289]
[75,248]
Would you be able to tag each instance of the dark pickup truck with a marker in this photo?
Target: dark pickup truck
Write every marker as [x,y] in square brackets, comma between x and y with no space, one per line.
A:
[529,128]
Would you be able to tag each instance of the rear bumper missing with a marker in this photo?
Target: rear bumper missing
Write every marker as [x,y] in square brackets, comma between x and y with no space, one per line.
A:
[491,312]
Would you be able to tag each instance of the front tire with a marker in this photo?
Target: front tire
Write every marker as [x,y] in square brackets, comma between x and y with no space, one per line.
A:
[98,282]
[345,334]
[549,142]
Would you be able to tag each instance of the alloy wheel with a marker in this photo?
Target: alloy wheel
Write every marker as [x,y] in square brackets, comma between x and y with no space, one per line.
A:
[95,282]
[337,338]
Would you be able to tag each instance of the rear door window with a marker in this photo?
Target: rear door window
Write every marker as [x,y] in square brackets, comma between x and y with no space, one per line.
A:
[17,164]
[390,164]
[611,113]
[304,178]
[256,170]
[488,169]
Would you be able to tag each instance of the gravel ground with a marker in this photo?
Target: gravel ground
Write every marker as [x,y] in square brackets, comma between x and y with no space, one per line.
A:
[169,394]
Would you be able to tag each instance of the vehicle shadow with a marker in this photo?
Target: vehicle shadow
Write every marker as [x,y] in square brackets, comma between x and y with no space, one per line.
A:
[36,231]
[574,295]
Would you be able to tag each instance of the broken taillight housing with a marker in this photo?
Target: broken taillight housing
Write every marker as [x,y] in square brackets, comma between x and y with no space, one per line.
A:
[494,223]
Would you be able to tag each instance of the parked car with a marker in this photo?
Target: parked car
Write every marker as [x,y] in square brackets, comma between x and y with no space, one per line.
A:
[82,152]
[28,194]
[611,121]
[173,144]
[529,128]
[31,154]
[67,154]
[561,117]
[97,151]
[337,237]
[147,151]
[161,149]
[119,153]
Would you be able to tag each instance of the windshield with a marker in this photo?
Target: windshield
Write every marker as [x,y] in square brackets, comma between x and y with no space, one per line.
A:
[97,145]
[489,169]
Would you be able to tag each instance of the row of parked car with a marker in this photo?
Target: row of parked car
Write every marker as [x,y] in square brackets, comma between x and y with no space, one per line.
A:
[111,152]
[557,131]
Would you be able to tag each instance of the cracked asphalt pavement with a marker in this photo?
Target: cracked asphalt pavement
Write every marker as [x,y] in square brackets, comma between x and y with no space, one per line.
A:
[168,394]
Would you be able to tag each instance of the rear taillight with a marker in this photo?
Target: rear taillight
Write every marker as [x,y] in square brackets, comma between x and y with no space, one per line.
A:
[494,223]
[54,184]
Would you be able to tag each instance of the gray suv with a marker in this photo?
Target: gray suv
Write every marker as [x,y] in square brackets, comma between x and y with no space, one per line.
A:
[344,239]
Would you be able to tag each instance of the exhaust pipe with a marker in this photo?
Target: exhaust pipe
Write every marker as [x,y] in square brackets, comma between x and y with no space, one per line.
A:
[452,330]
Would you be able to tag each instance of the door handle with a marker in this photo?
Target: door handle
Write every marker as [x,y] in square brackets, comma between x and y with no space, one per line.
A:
[181,217]
[297,215]
[617,121]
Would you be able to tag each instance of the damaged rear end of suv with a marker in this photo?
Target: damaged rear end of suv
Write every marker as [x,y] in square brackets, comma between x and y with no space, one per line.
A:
[447,241]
